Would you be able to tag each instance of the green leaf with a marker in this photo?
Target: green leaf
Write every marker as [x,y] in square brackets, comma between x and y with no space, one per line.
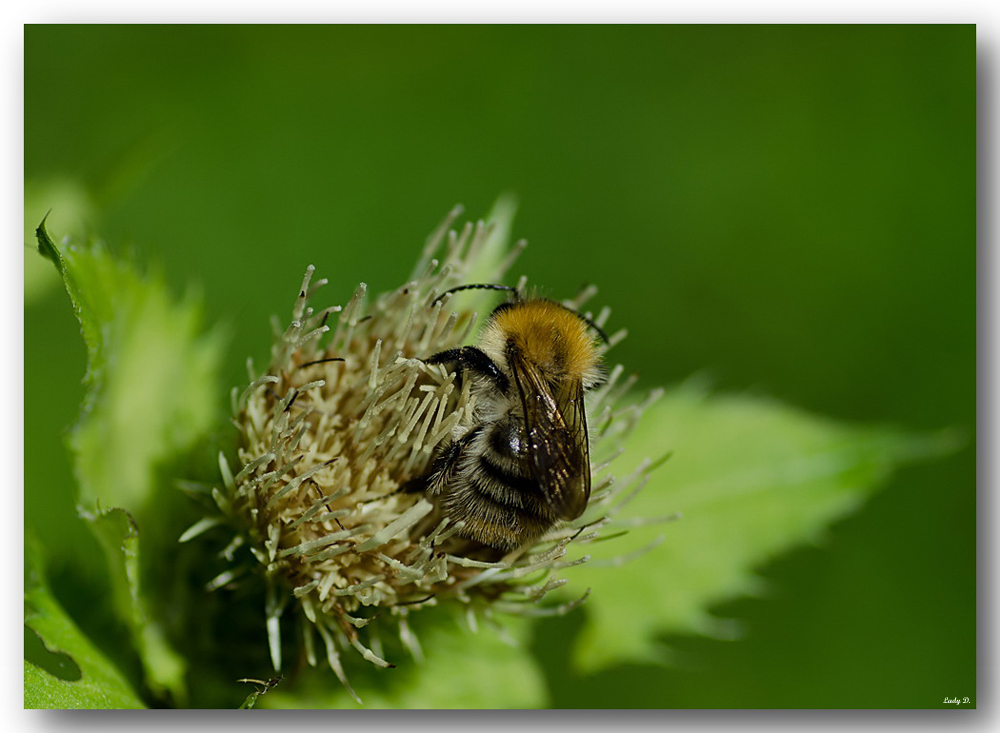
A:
[118,534]
[69,208]
[751,478]
[152,394]
[251,702]
[461,669]
[62,669]
[152,377]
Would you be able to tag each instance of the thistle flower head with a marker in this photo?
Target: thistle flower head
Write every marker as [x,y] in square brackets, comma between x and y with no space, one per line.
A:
[348,413]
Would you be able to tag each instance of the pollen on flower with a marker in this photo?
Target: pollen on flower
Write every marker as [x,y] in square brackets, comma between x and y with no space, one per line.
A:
[335,431]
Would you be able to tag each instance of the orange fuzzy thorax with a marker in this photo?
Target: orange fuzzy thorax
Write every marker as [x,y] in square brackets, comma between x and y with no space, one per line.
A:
[548,335]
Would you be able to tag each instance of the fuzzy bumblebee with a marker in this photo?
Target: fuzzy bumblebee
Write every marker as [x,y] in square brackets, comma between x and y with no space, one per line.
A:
[343,494]
[522,463]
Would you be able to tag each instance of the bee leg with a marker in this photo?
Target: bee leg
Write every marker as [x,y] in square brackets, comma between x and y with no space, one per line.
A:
[441,472]
[472,359]
[446,464]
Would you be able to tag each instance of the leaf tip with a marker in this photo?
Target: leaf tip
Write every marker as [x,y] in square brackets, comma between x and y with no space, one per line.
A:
[46,247]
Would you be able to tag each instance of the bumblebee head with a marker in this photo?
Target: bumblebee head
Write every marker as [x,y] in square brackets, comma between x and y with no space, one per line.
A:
[554,339]
[550,337]
[517,297]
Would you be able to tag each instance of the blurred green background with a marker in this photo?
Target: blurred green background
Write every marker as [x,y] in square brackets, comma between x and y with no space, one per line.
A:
[789,210]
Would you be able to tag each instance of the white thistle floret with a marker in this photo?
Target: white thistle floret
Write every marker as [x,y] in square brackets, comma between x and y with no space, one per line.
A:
[344,416]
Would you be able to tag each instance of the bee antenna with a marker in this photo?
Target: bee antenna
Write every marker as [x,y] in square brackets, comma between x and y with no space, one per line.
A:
[597,329]
[480,286]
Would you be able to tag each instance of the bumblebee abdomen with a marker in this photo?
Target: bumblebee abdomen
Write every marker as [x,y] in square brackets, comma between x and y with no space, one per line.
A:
[496,496]
[499,519]
[516,486]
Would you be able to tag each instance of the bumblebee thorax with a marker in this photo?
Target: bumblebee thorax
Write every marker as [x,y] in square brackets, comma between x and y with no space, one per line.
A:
[544,333]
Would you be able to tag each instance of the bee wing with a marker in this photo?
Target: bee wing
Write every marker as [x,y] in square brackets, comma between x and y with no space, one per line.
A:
[556,426]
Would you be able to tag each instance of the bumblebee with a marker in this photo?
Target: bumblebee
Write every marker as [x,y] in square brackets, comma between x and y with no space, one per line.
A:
[522,463]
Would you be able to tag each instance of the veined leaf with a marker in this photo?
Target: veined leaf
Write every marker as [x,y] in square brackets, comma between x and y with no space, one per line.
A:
[152,385]
[751,478]
[152,393]
[119,536]
[62,669]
